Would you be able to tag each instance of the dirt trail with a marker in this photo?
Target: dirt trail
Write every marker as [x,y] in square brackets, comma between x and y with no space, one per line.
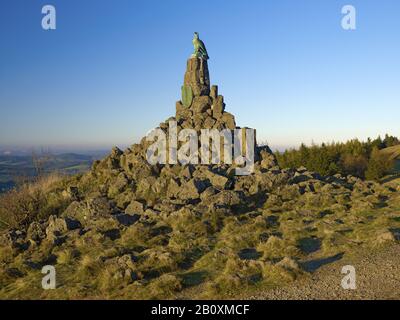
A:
[377,277]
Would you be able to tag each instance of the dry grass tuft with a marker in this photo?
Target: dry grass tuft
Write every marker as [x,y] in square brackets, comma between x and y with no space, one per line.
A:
[31,201]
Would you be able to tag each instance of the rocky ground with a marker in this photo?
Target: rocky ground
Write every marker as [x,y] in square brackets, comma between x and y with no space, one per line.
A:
[377,277]
[128,229]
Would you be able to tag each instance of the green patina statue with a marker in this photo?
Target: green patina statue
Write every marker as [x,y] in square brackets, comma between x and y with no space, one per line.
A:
[200,50]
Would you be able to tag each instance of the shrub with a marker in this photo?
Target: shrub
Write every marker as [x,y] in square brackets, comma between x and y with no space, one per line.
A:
[351,157]
[379,165]
[355,165]
[31,201]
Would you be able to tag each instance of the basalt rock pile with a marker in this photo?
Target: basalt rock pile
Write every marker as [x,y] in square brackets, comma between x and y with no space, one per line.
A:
[131,229]
[136,186]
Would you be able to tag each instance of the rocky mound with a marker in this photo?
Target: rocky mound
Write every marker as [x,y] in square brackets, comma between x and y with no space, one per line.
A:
[134,230]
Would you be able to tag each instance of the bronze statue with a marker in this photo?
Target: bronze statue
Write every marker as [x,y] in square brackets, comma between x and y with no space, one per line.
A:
[200,50]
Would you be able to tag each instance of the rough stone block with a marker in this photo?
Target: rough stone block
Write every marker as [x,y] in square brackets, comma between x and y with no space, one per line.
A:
[214,92]
[218,107]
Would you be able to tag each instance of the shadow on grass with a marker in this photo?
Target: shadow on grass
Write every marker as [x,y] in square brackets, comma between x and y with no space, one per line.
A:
[391,178]
[309,245]
[313,265]
[195,278]
[249,254]
[396,233]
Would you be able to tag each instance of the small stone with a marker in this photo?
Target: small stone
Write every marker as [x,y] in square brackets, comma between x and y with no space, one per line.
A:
[135,207]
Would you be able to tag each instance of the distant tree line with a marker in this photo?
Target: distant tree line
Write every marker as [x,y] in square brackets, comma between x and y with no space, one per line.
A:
[354,157]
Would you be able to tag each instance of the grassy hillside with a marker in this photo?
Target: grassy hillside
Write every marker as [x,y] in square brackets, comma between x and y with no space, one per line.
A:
[394,152]
[127,230]
[397,166]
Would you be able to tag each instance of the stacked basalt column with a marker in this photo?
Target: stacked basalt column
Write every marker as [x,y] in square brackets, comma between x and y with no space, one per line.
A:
[201,107]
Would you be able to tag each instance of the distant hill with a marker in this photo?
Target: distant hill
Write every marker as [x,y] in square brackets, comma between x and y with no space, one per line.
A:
[393,151]
[7,185]
[12,167]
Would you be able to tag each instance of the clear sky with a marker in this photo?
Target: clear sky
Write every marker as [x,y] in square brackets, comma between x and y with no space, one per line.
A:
[112,70]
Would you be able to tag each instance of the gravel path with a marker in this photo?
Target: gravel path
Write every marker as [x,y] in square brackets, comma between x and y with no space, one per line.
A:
[377,277]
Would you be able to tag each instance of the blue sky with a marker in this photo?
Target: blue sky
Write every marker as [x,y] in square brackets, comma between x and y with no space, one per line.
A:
[112,70]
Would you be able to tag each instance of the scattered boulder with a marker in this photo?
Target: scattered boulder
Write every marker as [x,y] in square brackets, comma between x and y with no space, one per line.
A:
[71,193]
[226,198]
[61,225]
[135,207]
[119,185]
[36,231]
[216,180]
[268,159]
[192,189]
[173,188]
[113,161]
[14,239]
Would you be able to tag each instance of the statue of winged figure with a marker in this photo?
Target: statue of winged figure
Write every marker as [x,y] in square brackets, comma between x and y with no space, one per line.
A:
[200,50]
